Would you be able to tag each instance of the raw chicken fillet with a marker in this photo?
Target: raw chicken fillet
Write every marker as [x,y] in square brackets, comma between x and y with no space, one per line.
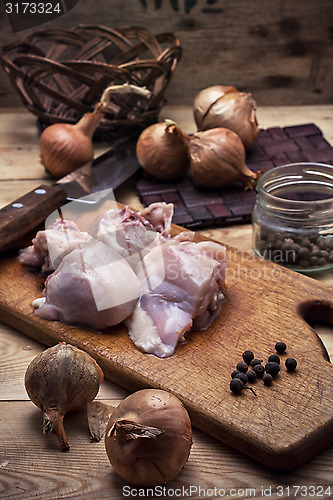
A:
[133,271]
[181,286]
[94,286]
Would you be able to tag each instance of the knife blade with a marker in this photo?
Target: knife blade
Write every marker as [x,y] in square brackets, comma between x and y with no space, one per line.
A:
[107,171]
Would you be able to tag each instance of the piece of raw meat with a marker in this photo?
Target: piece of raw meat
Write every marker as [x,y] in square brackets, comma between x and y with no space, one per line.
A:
[160,215]
[134,234]
[181,287]
[51,245]
[93,286]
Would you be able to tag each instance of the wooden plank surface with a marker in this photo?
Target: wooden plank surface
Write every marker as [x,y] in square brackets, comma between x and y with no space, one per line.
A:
[280,51]
[34,467]
[285,425]
[30,465]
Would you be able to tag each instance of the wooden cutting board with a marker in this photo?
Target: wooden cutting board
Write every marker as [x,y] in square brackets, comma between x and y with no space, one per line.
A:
[285,424]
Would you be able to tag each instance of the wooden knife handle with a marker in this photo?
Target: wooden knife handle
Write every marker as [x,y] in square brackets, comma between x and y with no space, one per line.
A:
[26,213]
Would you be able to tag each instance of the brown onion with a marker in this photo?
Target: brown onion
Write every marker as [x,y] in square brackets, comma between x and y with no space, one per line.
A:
[220,106]
[206,97]
[65,147]
[162,150]
[60,379]
[218,159]
[149,437]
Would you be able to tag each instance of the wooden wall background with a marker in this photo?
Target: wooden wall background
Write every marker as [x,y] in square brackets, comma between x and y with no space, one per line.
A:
[280,50]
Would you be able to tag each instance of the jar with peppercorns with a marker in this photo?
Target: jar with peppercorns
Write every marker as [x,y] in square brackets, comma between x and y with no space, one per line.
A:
[292,221]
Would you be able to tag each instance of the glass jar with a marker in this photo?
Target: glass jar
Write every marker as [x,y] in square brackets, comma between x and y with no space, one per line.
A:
[292,221]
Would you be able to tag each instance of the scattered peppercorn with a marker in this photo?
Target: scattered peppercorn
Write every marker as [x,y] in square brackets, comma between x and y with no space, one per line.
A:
[242,366]
[275,358]
[291,364]
[272,368]
[280,347]
[259,370]
[251,375]
[267,379]
[248,356]
[242,376]
[236,385]
[255,362]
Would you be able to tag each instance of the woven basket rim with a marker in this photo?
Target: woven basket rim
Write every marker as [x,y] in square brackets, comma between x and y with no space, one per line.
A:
[59,88]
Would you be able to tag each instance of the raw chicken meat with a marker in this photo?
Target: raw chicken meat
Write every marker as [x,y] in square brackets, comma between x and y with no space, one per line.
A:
[181,287]
[134,234]
[127,233]
[160,216]
[93,286]
[52,244]
[135,272]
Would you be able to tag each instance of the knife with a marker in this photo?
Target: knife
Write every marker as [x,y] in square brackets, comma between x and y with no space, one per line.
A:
[107,171]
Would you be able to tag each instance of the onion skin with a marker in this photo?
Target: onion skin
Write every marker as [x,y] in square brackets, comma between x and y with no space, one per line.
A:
[218,159]
[162,151]
[149,461]
[206,98]
[226,107]
[60,379]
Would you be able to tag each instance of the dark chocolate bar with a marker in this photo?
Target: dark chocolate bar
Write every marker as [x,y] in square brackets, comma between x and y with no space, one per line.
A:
[197,207]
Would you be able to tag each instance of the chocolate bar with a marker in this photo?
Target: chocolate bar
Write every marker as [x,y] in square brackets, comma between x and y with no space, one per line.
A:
[197,207]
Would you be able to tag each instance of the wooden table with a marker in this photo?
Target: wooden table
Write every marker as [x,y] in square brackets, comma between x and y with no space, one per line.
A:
[32,465]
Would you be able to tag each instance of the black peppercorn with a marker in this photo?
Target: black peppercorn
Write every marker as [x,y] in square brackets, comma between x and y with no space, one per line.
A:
[236,385]
[255,362]
[312,251]
[275,358]
[303,253]
[272,368]
[242,376]
[259,370]
[242,366]
[291,364]
[280,347]
[251,375]
[234,373]
[248,356]
[267,379]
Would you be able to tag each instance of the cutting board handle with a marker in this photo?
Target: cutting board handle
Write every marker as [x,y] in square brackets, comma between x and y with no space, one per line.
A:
[314,311]
[317,310]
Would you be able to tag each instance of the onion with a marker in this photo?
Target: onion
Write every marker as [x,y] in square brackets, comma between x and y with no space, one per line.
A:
[60,379]
[220,106]
[65,147]
[149,437]
[162,150]
[206,98]
[218,159]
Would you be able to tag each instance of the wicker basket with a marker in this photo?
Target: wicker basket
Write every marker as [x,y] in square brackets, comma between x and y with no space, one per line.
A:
[60,74]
